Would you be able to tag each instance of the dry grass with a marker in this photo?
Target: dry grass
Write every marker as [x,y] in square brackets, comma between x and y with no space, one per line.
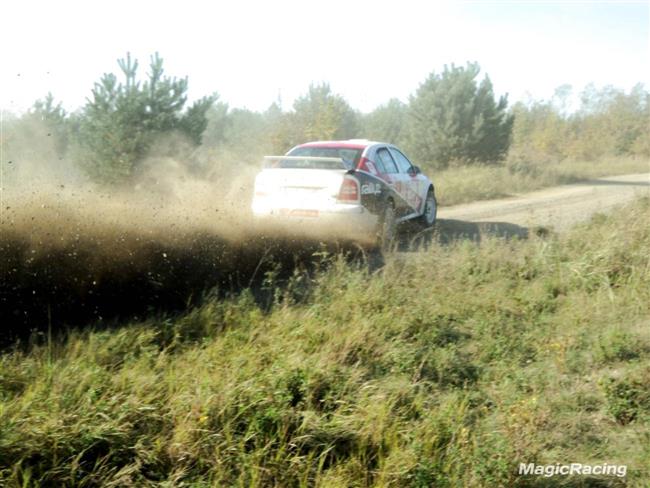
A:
[447,368]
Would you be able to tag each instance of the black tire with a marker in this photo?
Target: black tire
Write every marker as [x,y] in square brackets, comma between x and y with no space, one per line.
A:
[387,228]
[428,217]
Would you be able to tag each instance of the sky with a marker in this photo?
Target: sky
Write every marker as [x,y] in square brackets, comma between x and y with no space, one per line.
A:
[252,53]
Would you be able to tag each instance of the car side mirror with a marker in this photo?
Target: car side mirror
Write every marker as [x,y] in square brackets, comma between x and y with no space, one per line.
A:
[414,170]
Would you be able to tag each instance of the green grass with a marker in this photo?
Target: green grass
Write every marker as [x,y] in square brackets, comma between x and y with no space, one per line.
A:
[445,368]
[470,183]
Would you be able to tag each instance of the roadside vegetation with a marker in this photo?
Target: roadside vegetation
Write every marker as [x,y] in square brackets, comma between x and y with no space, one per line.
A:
[134,128]
[448,368]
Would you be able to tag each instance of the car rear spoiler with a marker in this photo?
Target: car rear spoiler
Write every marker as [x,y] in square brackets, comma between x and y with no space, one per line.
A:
[306,162]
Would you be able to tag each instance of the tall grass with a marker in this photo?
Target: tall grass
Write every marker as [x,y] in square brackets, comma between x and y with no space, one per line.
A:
[470,183]
[445,368]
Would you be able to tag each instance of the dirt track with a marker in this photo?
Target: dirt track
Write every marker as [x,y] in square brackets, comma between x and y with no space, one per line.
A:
[555,208]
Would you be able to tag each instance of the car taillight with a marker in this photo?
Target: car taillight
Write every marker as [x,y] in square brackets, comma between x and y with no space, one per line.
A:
[349,191]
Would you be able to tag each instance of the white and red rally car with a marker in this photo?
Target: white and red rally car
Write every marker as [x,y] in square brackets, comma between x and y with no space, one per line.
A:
[356,189]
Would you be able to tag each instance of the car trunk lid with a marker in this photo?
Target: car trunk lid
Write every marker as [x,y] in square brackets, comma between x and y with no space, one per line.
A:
[299,188]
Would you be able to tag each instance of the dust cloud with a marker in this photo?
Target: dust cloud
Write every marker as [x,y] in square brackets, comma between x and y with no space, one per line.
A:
[74,253]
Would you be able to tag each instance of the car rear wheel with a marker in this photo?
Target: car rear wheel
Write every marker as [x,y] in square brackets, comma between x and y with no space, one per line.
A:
[428,217]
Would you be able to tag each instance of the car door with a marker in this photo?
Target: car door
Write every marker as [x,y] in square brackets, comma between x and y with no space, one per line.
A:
[389,172]
[411,182]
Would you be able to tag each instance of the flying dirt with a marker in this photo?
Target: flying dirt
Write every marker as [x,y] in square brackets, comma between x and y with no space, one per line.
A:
[78,254]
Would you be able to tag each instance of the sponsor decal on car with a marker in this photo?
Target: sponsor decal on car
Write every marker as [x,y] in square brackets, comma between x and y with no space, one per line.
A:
[370,189]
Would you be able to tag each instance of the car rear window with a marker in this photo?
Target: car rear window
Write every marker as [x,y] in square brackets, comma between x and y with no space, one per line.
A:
[349,156]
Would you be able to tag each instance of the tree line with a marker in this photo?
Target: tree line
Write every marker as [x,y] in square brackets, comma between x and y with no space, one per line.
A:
[453,118]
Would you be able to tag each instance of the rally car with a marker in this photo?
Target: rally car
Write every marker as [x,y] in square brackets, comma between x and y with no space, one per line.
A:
[357,189]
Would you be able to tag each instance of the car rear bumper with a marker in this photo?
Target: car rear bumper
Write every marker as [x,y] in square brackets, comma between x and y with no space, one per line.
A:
[341,221]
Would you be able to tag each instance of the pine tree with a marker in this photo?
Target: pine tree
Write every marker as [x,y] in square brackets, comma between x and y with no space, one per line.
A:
[55,121]
[454,120]
[122,119]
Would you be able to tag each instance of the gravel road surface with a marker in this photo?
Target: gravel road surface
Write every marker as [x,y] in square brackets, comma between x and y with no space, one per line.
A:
[555,208]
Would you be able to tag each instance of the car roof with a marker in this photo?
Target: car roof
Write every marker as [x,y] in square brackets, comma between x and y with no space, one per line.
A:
[349,144]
